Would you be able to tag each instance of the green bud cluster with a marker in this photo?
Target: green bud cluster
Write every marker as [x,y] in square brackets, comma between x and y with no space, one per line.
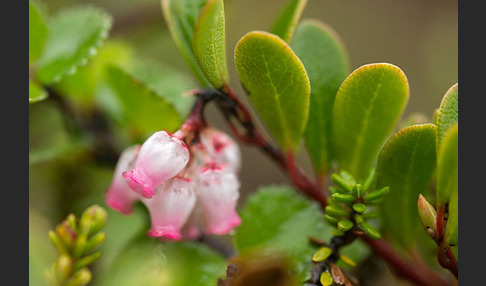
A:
[351,204]
[76,240]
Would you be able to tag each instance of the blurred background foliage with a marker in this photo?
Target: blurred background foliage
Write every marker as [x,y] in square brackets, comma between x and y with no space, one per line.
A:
[420,37]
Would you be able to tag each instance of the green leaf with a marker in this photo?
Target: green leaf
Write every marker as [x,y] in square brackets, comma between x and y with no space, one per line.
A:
[75,34]
[322,52]
[277,85]
[209,44]
[81,86]
[144,109]
[279,218]
[448,113]
[36,92]
[288,18]
[406,164]
[155,263]
[447,166]
[169,83]
[181,17]
[366,108]
[37,32]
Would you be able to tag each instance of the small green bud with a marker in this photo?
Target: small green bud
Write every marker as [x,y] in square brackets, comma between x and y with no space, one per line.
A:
[63,267]
[331,220]
[359,208]
[57,242]
[66,234]
[369,230]
[370,177]
[343,198]
[94,218]
[376,194]
[359,218]
[342,183]
[86,261]
[71,220]
[322,254]
[358,190]
[371,215]
[80,278]
[94,242]
[428,216]
[345,225]
[326,279]
[347,260]
[347,177]
[335,190]
[336,211]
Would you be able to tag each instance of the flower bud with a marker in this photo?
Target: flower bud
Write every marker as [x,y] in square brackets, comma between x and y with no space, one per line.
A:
[218,192]
[170,208]
[160,158]
[221,147]
[120,196]
[428,216]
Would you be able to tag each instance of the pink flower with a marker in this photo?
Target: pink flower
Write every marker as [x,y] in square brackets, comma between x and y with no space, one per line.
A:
[119,195]
[221,147]
[171,207]
[161,157]
[218,194]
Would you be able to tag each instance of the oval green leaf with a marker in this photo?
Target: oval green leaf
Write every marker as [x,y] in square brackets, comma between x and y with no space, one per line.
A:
[406,164]
[366,108]
[277,85]
[287,19]
[36,93]
[37,32]
[447,165]
[181,17]
[143,108]
[209,44]
[326,62]
[448,113]
[75,35]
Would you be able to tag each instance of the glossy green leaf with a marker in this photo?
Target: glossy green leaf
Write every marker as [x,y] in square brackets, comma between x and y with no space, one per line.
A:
[144,109]
[366,108]
[75,35]
[447,166]
[406,164]
[81,86]
[277,85]
[322,52]
[452,230]
[448,113]
[288,18]
[36,93]
[37,31]
[181,17]
[209,43]
[151,262]
[169,83]
[278,217]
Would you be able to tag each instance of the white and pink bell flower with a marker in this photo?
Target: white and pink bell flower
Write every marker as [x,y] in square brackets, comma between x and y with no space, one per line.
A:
[186,192]
[171,207]
[119,195]
[218,194]
[221,147]
[161,157]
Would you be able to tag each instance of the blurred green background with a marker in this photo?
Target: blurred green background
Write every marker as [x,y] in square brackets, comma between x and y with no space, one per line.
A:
[420,37]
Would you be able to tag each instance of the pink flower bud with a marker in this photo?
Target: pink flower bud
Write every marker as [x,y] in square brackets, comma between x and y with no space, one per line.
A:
[161,157]
[171,207]
[120,196]
[218,194]
[221,147]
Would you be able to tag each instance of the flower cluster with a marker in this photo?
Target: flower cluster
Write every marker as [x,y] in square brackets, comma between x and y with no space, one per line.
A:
[184,189]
